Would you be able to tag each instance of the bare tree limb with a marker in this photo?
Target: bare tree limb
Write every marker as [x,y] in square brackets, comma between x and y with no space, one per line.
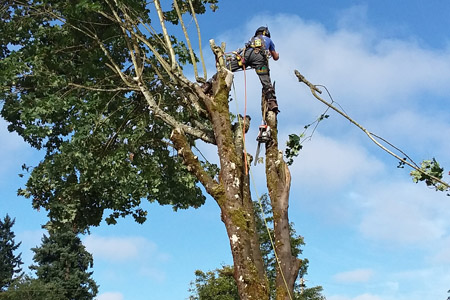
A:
[174,65]
[96,89]
[188,41]
[170,120]
[315,90]
[199,43]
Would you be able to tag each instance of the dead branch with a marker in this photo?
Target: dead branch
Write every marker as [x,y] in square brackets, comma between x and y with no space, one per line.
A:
[199,43]
[315,90]
[174,65]
[97,89]
[188,41]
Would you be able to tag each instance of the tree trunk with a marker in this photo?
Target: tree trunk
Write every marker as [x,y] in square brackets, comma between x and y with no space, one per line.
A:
[236,205]
[231,192]
[279,184]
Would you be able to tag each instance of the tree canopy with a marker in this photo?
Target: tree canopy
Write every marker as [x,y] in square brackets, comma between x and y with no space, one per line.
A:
[65,67]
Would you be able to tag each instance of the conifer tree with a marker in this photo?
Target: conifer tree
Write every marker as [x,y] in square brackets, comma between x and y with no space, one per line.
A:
[9,262]
[63,261]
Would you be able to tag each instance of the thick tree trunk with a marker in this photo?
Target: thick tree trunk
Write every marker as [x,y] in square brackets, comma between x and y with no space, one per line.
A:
[278,184]
[231,192]
[236,205]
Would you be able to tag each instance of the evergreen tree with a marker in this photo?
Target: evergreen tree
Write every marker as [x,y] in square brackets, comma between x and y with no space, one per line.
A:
[62,261]
[9,262]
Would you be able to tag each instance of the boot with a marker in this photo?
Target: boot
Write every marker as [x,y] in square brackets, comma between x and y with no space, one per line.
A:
[272,105]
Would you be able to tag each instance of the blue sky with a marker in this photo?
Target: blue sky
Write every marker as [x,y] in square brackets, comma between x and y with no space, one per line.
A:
[371,234]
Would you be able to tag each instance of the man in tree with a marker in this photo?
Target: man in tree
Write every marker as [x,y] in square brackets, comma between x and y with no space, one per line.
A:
[9,263]
[256,54]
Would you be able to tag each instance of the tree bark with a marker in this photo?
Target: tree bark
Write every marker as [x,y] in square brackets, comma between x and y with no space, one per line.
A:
[279,184]
[231,192]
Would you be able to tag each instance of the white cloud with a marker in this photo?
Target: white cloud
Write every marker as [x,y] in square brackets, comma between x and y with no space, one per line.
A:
[362,67]
[365,73]
[403,213]
[354,276]
[122,248]
[330,162]
[110,296]
[416,130]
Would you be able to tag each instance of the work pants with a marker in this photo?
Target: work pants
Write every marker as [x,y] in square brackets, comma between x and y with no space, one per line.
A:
[258,61]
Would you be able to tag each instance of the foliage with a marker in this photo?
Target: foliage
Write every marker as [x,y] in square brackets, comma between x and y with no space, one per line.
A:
[9,262]
[214,285]
[199,8]
[220,284]
[294,144]
[313,293]
[28,288]
[62,264]
[431,168]
[105,149]
[293,148]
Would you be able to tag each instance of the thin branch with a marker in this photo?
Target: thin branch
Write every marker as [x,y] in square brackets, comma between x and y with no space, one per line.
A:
[131,44]
[199,40]
[173,60]
[315,90]
[95,89]
[142,38]
[188,41]
[170,120]
[158,56]
[393,146]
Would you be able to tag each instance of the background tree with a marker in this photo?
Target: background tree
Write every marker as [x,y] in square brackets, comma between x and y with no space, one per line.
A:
[29,288]
[9,261]
[219,284]
[62,265]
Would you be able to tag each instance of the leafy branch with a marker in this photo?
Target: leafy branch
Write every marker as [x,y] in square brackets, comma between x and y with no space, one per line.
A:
[295,142]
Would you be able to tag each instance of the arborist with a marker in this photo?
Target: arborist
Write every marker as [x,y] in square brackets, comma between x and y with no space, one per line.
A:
[255,54]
